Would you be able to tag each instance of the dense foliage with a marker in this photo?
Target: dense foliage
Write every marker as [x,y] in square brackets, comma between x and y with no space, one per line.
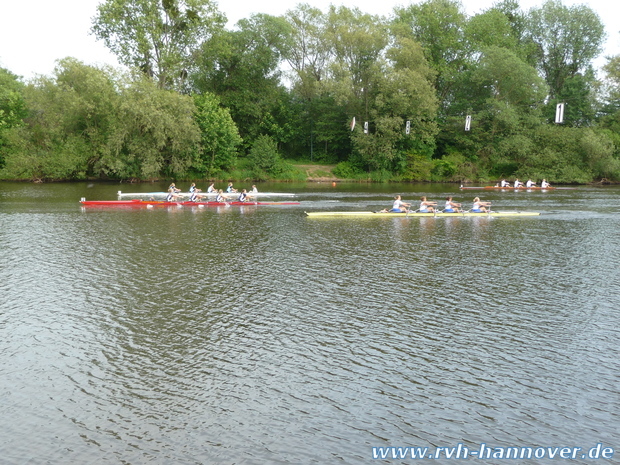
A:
[380,98]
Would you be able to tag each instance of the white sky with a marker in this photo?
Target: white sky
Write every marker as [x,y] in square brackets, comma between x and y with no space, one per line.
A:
[36,33]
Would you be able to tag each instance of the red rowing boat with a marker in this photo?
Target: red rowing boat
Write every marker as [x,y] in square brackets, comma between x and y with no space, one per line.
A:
[164,203]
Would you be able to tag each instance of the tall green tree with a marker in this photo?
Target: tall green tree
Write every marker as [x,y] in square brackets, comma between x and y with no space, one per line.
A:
[503,76]
[71,115]
[219,137]
[157,37]
[439,26]
[610,114]
[567,40]
[241,67]
[156,134]
[13,108]
[402,93]
[306,49]
[358,41]
[491,28]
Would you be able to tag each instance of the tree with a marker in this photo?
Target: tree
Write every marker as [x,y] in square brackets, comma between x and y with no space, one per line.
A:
[358,41]
[567,40]
[71,116]
[157,37]
[219,136]
[242,68]
[438,25]
[403,92]
[156,134]
[306,48]
[505,77]
[13,108]
[490,28]
[264,156]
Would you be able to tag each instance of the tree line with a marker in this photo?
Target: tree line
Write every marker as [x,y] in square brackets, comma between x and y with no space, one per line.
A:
[426,94]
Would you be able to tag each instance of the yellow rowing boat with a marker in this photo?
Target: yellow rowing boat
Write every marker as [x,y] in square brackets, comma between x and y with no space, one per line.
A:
[491,214]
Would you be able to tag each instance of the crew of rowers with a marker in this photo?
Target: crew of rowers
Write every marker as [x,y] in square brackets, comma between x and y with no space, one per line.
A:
[427,206]
[195,194]
[518,184]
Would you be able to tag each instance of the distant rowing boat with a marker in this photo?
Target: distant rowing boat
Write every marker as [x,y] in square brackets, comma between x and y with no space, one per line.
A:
[418,214]
[164,203]
[203,194]
[517,188]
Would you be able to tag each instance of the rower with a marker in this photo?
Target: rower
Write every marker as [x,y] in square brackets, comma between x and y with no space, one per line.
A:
[518,184]
[451,207]
[220,196]
[194,193]
[254,190]
[479,206]
[530,183]
[544,184]
[427,206]
[173,192]
[399,206]
[243,197]
[195,196]
[211,189]
[504,183]
[230,189]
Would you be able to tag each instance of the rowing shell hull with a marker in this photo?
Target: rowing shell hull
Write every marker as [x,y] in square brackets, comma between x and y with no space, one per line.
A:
[516,188]
[417,214]
[204,194]
[163,203]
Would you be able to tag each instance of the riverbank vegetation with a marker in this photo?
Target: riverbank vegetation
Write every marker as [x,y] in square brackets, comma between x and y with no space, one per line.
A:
[428,94]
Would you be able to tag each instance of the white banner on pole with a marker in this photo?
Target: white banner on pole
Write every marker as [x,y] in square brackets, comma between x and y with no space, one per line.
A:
[408,127]
[559,113]
[468,123]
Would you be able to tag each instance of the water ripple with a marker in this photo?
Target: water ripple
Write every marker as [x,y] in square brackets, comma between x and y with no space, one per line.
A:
[261,336]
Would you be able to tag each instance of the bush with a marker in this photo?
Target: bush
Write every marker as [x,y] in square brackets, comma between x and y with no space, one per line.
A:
[264,156]
[346,170]
[418,168]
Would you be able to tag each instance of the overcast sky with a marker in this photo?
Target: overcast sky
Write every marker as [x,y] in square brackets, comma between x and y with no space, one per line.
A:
[36,33]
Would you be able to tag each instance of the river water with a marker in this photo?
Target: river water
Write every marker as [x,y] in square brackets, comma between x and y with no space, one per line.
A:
[257,335]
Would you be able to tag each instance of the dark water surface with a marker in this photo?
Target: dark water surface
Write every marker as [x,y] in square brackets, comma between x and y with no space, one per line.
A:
[256,335]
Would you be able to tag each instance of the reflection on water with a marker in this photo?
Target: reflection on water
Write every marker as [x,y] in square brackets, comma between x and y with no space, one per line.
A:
[258,335]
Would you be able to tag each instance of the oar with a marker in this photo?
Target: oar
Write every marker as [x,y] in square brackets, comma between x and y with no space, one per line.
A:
[409,211]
